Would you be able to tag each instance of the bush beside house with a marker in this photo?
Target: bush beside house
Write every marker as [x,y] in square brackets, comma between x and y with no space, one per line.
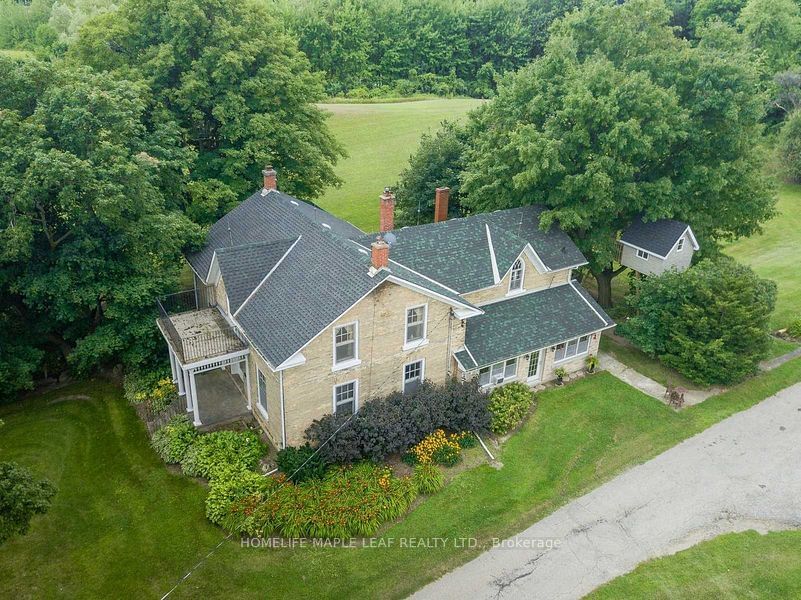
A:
[392,424]
[173,441]
[216,453]
[508,405]
[710,323]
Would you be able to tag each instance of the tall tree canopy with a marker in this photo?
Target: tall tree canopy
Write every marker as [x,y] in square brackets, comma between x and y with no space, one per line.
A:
[619,118]
[232,79]
[87,239]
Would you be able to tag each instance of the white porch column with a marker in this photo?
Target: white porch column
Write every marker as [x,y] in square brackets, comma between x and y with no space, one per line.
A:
[193,389]
[190,399]
[172,364]
[247,381]
[179,377]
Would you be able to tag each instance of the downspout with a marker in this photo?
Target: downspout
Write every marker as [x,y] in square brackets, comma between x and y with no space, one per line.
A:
[283,415]
[448,351]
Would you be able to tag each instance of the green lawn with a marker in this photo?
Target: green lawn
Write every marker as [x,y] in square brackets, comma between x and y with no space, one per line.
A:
[642,363]
[123,525]
[379,139]
[737,565]
[774,254]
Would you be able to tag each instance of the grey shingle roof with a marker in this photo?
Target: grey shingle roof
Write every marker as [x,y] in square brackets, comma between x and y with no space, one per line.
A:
[530,322]
[266,218]
[244,267]
[657,237]
[456,252]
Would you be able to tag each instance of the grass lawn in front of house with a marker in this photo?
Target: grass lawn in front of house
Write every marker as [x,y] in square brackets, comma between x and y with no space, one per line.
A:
[379,139]
[123,524]
[645,365]
[735,565]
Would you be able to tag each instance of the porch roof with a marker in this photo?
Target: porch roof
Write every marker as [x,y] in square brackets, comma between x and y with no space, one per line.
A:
[530,322]
[198,335]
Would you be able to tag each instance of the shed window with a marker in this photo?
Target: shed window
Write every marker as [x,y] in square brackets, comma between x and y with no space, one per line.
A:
[642,254]
[680,245]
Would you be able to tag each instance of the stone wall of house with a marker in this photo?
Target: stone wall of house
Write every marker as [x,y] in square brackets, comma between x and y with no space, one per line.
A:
[221,297]
[270,420]
[381,317]
[532,280]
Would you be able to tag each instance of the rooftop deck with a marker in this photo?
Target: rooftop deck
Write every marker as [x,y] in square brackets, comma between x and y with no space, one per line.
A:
[198,334]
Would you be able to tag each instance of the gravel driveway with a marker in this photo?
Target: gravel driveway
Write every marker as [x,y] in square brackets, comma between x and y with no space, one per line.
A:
[742,473]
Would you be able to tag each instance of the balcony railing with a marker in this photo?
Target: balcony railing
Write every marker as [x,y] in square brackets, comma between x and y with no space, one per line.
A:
[196,333]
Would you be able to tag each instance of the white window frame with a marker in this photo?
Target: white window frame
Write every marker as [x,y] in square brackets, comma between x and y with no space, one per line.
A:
[642,254]
[260,377]
[355,383]
[495,379]
[538,366]
[417,343]
[522,270]
[680,244]
[567,343]
[422,362]
[351,362]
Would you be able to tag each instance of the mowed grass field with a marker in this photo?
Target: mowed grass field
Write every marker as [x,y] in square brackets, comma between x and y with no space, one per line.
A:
[774,254]
[379,139]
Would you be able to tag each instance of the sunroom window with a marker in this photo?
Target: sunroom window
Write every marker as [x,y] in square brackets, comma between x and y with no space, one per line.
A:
[572,348]
[498,372]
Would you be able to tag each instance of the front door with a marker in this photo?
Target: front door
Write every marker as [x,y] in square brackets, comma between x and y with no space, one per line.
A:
[535,360]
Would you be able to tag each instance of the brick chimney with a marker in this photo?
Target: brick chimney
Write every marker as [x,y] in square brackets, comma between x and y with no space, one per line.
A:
[441,197]
[270,180]
[379,253]
[386,211]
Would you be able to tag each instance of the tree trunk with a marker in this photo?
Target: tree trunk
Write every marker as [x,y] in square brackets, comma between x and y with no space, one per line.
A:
[604,281]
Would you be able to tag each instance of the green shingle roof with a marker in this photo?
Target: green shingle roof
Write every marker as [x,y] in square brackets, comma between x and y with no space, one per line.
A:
[530,322]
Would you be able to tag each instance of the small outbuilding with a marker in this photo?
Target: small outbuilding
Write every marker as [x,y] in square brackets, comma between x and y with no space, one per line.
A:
[651,248]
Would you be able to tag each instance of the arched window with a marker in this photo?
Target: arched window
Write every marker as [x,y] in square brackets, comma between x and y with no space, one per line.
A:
[516,277]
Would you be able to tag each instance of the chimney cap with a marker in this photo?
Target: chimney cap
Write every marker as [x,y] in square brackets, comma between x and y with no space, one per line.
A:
[268,170]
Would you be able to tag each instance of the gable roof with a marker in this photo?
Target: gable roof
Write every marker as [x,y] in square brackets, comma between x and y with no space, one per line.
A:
[266,217]
[458,254]
[657,237]
[244,267]
[538,320]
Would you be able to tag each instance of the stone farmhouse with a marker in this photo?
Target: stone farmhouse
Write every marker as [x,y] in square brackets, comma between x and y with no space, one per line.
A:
[296,313]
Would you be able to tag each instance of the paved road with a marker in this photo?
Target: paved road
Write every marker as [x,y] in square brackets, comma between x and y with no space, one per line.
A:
[743,473]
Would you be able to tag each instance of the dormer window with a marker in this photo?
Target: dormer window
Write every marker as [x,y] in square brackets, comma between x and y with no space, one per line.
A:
[680,247]
[516,276]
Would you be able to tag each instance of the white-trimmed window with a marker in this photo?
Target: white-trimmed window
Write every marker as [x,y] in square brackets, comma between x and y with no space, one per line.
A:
[516,276]
[642,254]
[346,398]
[416,323]
[498,372]
[680,245]
[262,385]
[534,365]
[346,344]
[572,348]
[413,374]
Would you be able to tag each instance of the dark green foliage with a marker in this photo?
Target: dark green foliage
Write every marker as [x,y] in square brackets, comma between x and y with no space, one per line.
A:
[621,117]
[437,162]
[235,83]
[231,486]
[789,146]
[173,441]
[710,323]
[508,405]
[216,453]
[369,47]
[468,440]
[300,464]
[428,479]
[21,497]
[724,10]
[447,456]
[392,424]
[87,236]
